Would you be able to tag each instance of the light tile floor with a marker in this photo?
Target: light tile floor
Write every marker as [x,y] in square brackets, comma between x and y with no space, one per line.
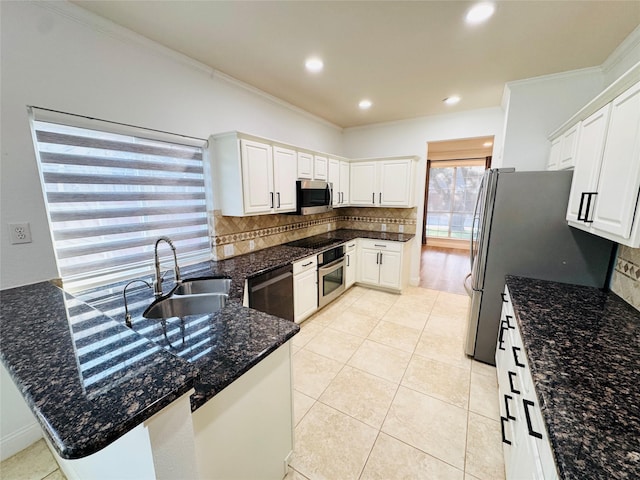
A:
[382,390]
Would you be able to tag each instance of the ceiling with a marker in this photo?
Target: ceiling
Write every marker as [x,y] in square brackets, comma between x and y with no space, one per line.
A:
[406,57]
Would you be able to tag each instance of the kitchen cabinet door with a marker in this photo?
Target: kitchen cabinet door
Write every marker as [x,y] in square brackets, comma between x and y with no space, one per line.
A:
[368,266]
[395,183]
[257,176]
[554,154]
[363,184]
[334,178]
[344,183]
[568,147]
[284,179]
[305,294]
[305,166]
[390,264]
[619,180]
[587,164]
[351,264]
[320,167]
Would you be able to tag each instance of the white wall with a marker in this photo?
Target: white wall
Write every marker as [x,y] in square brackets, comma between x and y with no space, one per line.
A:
[57,56]
[410,137]
[536,107]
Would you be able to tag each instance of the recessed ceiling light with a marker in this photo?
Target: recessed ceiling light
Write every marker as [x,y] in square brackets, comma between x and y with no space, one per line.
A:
[452,100]
[487,144]
[480,12]
[314,65]
[365,104]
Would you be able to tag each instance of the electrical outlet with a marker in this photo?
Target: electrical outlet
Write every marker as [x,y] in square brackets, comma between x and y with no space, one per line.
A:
[400,228]
[20,232]
[383,227]
[252,244]
[228,250]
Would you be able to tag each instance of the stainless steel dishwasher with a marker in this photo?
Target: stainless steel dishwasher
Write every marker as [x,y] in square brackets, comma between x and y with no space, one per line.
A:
[272,292]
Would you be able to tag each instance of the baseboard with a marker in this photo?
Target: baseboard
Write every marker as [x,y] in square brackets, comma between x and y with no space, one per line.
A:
[414,281]
[19,440]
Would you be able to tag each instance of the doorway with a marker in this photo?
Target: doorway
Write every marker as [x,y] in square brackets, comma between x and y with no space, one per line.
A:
[454,170]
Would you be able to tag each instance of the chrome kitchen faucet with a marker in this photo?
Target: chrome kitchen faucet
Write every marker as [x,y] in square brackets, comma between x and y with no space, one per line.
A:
[157,284]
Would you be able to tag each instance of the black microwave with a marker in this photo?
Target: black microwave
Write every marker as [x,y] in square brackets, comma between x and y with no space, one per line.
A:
[313,196]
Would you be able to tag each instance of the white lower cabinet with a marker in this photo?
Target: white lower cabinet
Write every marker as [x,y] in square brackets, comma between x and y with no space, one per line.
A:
[382,263]
[526,447]
[351,260]
[305,288]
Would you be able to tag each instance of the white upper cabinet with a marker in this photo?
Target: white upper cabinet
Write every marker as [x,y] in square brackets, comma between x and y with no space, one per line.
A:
[619,180]
[588,157]
[257,176]
[606,183]
[284,179]
[305,166]
[320,167]
[345,175]
[382,183]
[338,175]
[253,177]
[563,149]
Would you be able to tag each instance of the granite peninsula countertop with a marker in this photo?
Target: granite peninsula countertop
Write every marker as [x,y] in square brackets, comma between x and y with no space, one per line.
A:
[89,379]
[583,347]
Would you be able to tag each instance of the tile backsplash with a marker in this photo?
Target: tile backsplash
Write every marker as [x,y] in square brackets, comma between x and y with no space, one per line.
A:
[238,235]
[625,281]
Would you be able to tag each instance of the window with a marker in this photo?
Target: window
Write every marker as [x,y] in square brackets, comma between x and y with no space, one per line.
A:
[453,188]
[110,196]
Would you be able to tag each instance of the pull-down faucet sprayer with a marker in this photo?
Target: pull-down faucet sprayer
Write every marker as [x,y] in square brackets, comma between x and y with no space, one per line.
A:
[157,284]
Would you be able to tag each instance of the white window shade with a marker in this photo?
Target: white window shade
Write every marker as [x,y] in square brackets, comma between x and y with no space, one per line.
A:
[110,196]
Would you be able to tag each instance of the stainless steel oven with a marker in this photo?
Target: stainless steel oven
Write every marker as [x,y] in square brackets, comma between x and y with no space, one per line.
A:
[331,275]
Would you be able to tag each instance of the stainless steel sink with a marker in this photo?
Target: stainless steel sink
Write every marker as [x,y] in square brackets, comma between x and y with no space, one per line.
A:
[183,305]
[203,285]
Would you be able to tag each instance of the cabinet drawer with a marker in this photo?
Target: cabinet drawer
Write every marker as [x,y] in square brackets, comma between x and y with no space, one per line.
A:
[384,245]
[309,263]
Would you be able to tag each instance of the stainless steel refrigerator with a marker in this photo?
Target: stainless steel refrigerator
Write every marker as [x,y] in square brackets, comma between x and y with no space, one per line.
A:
[519,228]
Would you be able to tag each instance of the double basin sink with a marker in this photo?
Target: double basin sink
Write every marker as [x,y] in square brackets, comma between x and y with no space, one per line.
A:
[191,297]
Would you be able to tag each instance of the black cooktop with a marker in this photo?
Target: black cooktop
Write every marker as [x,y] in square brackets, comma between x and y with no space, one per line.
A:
[317,241]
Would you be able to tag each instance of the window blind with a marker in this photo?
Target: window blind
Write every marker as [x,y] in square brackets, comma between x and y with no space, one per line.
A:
[109,197]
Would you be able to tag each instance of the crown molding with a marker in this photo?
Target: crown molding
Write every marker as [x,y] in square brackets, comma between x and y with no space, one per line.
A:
[555,76]
[122,34]
[625,48]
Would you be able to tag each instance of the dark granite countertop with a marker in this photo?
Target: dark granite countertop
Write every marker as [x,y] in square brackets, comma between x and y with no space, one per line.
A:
[89,379]
[583,347]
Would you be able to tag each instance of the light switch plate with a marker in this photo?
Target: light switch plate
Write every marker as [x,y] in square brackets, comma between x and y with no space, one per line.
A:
[400,228]
[228,250]
[383,227]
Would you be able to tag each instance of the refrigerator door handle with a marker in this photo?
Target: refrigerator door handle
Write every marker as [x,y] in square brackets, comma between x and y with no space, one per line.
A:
[466,285]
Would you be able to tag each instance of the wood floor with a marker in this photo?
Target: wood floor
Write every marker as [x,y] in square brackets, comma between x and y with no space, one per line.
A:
[444,269]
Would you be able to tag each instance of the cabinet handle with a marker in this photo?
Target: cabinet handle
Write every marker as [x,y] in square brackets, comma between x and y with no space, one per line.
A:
[271,194]
[515,357]
[307,264]
[532,432]
[504,298]
[278,194]
[380,198]
[506,406]
[588,195]
[380,258]
[504,438]
[501,337]
[511,387]
[381,246]
[507,322]
[348,257]
[373,198]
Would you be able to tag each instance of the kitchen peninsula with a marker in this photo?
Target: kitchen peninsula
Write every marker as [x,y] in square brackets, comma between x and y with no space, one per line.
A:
[97,386]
